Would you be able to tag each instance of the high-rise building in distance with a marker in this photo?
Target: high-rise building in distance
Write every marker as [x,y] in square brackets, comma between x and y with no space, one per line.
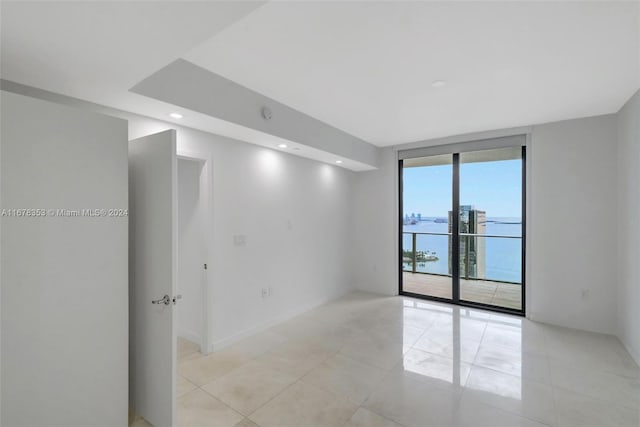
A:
[472,248]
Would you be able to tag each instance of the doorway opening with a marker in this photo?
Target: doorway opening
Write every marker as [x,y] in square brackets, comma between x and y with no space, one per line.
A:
[462,227]
[191,284]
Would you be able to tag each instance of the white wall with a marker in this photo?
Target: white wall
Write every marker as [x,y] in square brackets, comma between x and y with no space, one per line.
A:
[191,251]
[629,225]
[375,227]
[64,279]
[571,214]
[573,223]
[295,216]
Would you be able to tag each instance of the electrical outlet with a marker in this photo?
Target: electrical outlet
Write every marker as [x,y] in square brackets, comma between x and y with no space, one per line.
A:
[265,292]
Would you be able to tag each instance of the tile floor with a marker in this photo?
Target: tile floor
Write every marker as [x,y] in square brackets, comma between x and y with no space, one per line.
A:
[366,360]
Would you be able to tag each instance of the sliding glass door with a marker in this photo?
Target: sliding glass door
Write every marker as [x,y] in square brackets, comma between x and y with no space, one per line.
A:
[462,227]
[490,225]
[426,240]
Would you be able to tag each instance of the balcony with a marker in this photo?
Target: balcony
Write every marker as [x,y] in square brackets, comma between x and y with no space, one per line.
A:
[500,294]
[482,258]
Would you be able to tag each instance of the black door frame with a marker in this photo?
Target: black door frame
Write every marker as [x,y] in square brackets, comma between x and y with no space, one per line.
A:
[455,242]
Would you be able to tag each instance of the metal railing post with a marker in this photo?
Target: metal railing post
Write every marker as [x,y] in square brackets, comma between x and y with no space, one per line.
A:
[413,241]
[466,257]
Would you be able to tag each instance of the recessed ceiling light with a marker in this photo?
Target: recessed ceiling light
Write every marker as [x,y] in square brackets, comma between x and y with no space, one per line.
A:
[282,145]
[438,83]
[338,161]
[175,115]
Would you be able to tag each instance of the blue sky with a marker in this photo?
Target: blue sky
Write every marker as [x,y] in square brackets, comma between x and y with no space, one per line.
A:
[494,187]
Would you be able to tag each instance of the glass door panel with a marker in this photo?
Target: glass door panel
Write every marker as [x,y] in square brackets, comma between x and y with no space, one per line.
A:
[491,227]
[426,237]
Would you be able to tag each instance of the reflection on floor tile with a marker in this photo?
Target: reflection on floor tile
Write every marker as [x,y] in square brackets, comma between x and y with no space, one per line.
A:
[444,343]
[513,394]
[413,403]
[437,370]
[366,360]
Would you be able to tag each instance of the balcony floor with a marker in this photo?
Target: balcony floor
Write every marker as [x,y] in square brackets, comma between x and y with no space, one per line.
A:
[483,291]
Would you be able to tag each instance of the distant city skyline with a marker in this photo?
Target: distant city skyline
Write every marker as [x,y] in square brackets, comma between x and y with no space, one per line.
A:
[495,187]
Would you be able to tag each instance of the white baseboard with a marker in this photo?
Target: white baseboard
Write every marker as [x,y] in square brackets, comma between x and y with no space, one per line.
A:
[226,342]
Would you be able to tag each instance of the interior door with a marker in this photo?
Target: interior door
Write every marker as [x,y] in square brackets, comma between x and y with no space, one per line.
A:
[153,206]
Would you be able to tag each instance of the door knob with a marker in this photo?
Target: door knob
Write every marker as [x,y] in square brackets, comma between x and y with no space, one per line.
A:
[166,300]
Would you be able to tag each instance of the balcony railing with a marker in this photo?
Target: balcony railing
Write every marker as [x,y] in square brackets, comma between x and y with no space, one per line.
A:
[472,247]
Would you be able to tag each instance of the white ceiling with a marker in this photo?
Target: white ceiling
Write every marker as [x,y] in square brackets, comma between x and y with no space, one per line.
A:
[97,51]
[363,67]
[367,67]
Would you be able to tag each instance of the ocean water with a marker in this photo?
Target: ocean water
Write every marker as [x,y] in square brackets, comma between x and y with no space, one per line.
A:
[503,256]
